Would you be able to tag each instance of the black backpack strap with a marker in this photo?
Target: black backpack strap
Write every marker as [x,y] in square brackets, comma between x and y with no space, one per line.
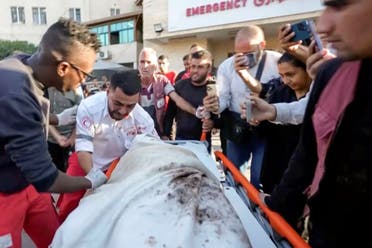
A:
[260,68]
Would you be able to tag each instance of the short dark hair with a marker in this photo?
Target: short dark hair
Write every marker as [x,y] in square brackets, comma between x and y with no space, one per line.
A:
[186,57]
[162,57]
[202,54]
[128,81]
[64,33]
[288,58]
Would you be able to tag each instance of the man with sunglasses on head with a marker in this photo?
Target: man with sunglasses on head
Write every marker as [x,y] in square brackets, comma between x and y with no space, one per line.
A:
[193,90]
[250,62]
[66,52]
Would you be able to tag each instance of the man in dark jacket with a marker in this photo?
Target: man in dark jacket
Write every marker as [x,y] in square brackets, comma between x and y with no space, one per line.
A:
[330,167]
[66,53]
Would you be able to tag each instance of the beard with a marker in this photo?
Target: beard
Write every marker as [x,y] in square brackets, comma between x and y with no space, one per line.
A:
[199,80]
[116,115]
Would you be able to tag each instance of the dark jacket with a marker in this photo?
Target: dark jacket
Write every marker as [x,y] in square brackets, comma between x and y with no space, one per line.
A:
[339,211]
[24,157]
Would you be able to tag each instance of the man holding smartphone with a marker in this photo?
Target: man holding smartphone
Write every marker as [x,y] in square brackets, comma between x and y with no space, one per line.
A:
[290,113]
[237,77]
[193,90]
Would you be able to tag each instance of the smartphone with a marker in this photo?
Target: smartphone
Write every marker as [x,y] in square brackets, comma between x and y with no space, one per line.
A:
[302,32]
[251,60]
[211,88]
[248,110]
[315,35]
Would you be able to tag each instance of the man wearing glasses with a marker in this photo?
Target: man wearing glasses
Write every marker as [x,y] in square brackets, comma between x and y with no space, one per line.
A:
[66,53]
[250,59]
[85,76]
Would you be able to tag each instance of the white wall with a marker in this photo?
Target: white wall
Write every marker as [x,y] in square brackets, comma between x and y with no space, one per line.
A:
[90,9]
[125,53]
[101,8]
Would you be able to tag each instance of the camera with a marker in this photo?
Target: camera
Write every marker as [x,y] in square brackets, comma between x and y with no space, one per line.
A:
[302,32]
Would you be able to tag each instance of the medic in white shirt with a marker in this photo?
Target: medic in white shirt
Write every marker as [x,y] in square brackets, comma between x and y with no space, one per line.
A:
[108,121]
[106,125]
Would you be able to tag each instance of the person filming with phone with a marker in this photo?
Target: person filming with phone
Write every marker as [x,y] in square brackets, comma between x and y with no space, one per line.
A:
[280,140]
[251,63]
[313,56]
[193,90]
[330,167]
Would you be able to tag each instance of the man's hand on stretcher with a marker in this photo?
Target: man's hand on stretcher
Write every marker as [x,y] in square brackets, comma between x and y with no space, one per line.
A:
[96,177]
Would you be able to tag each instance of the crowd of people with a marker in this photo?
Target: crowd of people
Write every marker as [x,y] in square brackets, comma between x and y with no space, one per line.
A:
[299,116]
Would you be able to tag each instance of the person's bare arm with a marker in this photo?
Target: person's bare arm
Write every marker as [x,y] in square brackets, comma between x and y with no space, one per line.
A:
[61,140]
[72,137]
[182,103]
[207,125]
[294,48]
[242,70]
[261,110]
[85,160]
[65,183]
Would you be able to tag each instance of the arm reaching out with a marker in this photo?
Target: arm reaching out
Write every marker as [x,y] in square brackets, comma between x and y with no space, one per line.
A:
[182,103]
[240,61]
[62,141]
[261,110]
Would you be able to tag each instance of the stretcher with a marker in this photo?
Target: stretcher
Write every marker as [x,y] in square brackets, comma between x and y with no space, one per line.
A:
[262,227]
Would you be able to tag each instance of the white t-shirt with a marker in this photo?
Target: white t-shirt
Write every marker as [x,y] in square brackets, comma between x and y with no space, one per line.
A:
[106,138]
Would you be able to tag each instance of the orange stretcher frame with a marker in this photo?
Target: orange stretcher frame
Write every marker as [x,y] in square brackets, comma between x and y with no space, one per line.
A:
[276,221]
[111,168]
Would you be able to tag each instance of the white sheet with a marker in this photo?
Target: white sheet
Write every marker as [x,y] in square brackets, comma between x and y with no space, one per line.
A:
[159,195]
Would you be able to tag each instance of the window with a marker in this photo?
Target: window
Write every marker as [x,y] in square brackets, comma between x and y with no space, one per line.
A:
[39,15]
[102,34]
[114,12]
[18,14]
[75,14]
[122,32]
[119,33]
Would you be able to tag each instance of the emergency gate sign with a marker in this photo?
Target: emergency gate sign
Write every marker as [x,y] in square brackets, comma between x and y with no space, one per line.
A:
[191,14]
